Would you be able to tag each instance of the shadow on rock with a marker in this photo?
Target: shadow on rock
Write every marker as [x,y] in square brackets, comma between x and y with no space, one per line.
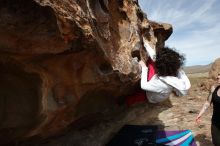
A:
[104,126]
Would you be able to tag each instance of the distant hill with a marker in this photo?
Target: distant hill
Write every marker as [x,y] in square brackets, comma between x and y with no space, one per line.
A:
[197,69]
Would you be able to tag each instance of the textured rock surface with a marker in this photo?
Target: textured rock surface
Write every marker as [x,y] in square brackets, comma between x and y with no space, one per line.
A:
[215,69]
[61,60]
[212,75]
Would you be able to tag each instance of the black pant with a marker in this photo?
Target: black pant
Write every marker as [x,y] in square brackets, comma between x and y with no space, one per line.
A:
[215,135]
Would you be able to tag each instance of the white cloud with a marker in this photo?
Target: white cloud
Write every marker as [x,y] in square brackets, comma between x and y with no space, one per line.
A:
[196,26]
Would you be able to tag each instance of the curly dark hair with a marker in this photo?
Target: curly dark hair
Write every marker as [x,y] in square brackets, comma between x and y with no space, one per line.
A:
[168,62]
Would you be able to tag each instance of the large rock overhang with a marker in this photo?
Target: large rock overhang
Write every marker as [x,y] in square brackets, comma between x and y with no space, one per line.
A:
[57,55]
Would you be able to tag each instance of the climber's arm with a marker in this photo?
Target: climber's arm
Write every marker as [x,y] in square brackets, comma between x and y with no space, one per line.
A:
[206,104]
[145,84]
[151,52]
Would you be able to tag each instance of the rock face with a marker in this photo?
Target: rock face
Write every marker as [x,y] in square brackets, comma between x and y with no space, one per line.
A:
[213,73]
[61,60]
[215,69]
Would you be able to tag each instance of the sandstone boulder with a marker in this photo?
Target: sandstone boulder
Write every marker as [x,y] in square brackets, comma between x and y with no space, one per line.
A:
[61,60]
[215,69]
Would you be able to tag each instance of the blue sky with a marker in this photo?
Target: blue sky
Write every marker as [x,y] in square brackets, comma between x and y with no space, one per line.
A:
[196,26]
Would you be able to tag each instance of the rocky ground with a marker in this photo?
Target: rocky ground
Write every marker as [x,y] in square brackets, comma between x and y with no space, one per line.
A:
[174,114]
